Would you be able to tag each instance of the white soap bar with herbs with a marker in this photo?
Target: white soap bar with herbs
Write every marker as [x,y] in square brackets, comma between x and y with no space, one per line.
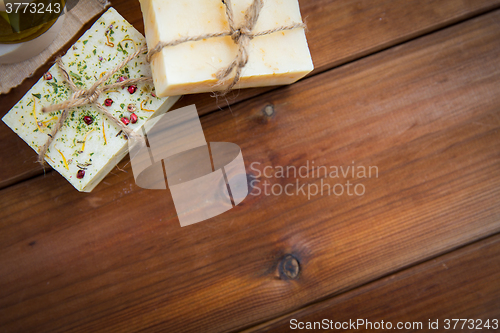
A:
[279,58]
[89,145]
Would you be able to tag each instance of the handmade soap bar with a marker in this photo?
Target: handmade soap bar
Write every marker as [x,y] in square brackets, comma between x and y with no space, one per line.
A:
[89,145]
[277,58]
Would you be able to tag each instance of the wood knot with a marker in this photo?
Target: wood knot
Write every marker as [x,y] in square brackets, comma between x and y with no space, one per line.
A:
[268,110]
[289,268]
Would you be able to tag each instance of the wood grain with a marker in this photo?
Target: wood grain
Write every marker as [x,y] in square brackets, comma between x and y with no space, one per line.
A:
[461,284]
[339,32]
[426,113]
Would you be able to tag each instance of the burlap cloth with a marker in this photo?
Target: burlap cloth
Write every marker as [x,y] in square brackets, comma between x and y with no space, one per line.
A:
[11,75]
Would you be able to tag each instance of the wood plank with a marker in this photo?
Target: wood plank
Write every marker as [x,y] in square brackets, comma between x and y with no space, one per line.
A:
[425,113]
[459,285]
[339,32]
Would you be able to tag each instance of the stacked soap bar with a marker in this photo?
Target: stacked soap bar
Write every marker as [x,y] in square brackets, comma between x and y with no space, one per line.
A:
[89,145]
[278,58]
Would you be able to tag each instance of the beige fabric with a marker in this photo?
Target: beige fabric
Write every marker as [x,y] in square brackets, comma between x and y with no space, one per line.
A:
[11,75]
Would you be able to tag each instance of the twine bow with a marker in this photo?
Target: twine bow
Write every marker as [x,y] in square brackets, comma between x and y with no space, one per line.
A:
[241,36]
[82,97]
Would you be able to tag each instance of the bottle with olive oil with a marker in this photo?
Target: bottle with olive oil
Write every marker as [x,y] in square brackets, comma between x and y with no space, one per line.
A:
[24,20]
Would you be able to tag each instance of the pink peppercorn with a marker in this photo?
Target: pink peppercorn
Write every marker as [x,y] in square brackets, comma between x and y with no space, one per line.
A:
[132,89]
[153,94]
[47,76]
[133,118]
[80,174]
[108,102]
[88,120]
[125,120]
[121,79]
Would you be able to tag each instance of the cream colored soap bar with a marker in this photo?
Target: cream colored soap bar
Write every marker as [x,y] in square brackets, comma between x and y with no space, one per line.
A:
[83,146]
[279,58]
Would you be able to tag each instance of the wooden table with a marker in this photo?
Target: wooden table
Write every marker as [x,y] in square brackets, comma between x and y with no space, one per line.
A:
[411,87]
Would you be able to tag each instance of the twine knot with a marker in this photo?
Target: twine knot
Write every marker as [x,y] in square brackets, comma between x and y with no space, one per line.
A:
[92,96]
[77,94]
[88,96]
[236,35]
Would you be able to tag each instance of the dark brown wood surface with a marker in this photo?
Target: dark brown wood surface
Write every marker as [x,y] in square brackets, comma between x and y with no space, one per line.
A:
[462,284]
[426,113]
[339,32]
